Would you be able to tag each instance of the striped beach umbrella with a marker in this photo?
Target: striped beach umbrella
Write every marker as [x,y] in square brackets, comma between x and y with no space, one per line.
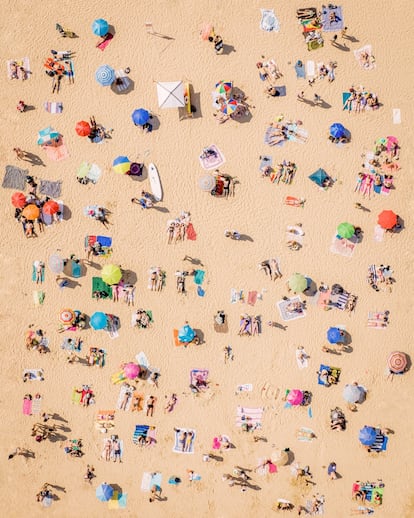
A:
[18,200]
[66,316]
[224,87]
[397,362]
[105,75]
[229,106]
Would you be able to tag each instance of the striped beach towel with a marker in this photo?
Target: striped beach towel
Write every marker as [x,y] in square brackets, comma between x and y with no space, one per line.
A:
[251,416]
[53,107]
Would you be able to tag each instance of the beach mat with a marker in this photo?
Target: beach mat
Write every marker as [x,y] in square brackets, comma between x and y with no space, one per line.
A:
[177,448]
[252,416]
[38,297]
[332,19]
[34,374]
[341,246]
[368,64]
[53,107]
[52,189]
[21,62]
[199,276]
[396,116]
[108,38]
[99,285]
[300,70]
[118,500]
[57,153]
[191,233]
[269,21]
[285,314]
[15,178]
[42,276]
[212,161]
[27,406]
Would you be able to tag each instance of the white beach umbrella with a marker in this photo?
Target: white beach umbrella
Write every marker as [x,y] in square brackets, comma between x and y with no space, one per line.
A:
[170,94]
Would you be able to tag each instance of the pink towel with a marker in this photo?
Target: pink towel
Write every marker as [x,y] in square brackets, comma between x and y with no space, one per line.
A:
[105,42]
[252,298]
[191,233]
[216,443]
[27,406]
[272,467]
[57,153]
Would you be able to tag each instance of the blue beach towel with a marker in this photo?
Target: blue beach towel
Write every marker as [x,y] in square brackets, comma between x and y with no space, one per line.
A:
[332,19]
[199,276]
[200,291]
[300,70]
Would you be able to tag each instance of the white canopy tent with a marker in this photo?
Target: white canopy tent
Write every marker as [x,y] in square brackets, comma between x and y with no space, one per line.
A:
[170,94]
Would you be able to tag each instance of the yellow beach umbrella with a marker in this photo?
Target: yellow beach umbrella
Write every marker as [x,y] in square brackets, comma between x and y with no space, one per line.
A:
[111,274]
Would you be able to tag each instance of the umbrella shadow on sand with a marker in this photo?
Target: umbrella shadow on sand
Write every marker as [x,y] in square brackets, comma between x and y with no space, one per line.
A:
[200,336]
[129,276]
[129,86]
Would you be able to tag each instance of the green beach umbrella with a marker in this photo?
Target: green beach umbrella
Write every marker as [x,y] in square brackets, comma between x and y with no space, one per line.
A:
[111,274]
[345,230]
[298,283]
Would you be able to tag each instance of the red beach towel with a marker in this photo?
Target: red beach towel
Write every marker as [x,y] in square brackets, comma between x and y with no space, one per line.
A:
[191,233]
[105,42]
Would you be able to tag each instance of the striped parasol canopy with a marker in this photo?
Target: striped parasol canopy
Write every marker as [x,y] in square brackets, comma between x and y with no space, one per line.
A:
[105,75]
[397,362]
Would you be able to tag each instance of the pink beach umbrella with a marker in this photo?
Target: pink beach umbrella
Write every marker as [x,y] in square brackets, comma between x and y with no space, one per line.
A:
[295,397]
[131,370]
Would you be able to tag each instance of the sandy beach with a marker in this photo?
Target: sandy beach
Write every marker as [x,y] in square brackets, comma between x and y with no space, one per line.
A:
[171,49]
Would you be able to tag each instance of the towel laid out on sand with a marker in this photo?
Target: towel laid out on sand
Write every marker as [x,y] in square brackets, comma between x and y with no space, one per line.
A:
[378,319]
[250,416]
[33,374]
[27,406]
[300,70]
[365,58]
[122,82]
[283,306]
[184,440]
[302,358]
[269,21]
[244,387]
[342,246]
[21,62]
[58,152]
[107,40]
[15,178]
[150,479]
[52,189]
[112,326]
[332,18]
[125,394]
[211,157]
[396,116]
[53,107]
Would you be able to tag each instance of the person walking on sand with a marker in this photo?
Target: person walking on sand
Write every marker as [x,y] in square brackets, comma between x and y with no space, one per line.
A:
[332,471]
[19,153]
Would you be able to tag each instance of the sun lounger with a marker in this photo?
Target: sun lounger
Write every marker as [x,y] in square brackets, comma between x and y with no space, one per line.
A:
[179,447]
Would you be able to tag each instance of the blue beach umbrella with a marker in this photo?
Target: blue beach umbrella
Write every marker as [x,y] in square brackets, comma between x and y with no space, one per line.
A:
[100,27]
[334,335]
[104,492]
[98,320]
[337,130]
[140,117]
[318,177]
[367,435]
[105,75]
[186,334]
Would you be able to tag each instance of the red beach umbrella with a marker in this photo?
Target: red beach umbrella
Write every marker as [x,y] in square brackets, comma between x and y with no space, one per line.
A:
[387,219]
[50,207]
[83,128]
[18,200]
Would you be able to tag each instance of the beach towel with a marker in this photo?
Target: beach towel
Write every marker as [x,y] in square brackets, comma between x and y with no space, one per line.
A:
[380,444]
[252,298]
[33,374]
[332,19]
[15,178]
[300,70]
[99,285]
[37,405]
[323,299]
[296,133]
[376,319]
[265,161]
[118,500]
[251,416]
[310,25]
[178,443]
[244,387]
[310,69]
[51,189]
[360,54]
[281,91]
[42,275]
[315,44]
[38,297]
[342,246]
[302,358]
[20,62]
[200,291]
[140,431]
[139,405]
[269,21]
[386,190]
[53,107]
[346,106]
[57,153]
[191,233]
[306,13]
[112,326]
[396,116]
[199,276]
[48,218]
[211,158]
[309,507]
[200,375]
[332,371]
[76,396]
[287,315]
[125,389]
[69,344]
[340,300]
[27,406]
[105,416]
[108,38]
[379,233]
[76,269]
[235,295]
[122,81]
[248,328]
[94,173]
[305,434]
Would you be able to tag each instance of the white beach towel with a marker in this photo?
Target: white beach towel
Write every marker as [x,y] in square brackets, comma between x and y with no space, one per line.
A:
[269,21]
[245,387]
[396,116]
[122,392]
[23,62]
[302,358]
[378,233]
[53,107]
[310,69]
[252,416]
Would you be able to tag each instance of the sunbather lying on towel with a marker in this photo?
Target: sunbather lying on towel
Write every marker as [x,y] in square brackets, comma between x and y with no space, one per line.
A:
[338,421]
[244,325]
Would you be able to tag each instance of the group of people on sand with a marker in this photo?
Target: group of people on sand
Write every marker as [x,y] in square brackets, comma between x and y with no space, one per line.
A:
[283,172]
[156,279]
[271,268]
[177,228]
[185,439]
[17,71]
[278,132]
[269,73]
[36,341]
[146,201]
[112,449]
[142,319]
[249,326]
[360,100]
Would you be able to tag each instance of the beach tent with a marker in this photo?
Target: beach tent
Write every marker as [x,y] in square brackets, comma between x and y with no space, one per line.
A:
[100,27]
[345,230]
[186,334]
[104,492]
[319,177]
[98,320]
[171,94]
[140,117]
[46,135]
[105,75]
[367,435]
[397,362]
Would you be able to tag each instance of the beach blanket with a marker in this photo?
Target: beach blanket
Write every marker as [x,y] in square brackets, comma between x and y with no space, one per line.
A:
[140,431]
[104,241]
[99,285]
[105,416]
[244,387]
[122,81]
[300,70]
[51,189]
[306,13]
[149,480]
[53,107]
[342,246]
[365,58]
[20,62]
[332,371]
[309,508]
[191,233]
[310,25]
[332,19]
[138,400]
[296,133]
[315,44]
[57,153]
[396,116]
[118,500]
[380,444]
[15,178]
[211,158]
[370,489]
[33,374]
[280,91]
[340,300]
[42,275]
[38,297]
[199,375]
[287,315]
[269,21]
[27,406]
[265,161]
[310,69]
[139,326]
[236,295]
[76,396]
[302,358]
[179,446]
[305,434]
[112,326]
[252,298]
[37,405]
[251,416]
[379,233]
[69,344]
[199,276]
[108,38]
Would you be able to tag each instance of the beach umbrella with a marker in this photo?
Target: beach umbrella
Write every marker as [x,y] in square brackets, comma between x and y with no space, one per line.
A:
[295,397]
[104,492]
[337,130]
[171,94]
[229,106]
[387,219]
[121,165]
[186,334]
[100,27]
[140,117]
[345,230]
[298,283]
[111,274]
[207,182]
[31,212]
[83,128]
[319,177]
[105,75]
[98,320]
[56,263]
[397,362]
[334,335]
[279,457]
[50,207]
[224,87]
[18,200]
[46,135]
[367,435]
[67,316]
[353,393]
[391,141]
[131,370]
